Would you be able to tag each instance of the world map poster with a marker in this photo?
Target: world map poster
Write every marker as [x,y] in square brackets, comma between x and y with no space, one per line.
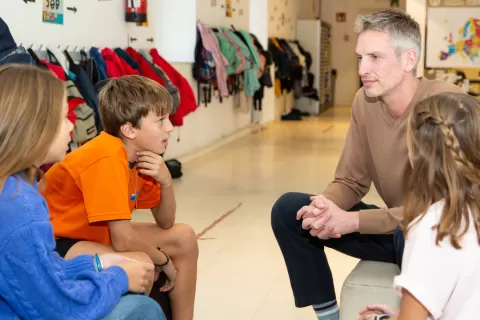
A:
[453,38]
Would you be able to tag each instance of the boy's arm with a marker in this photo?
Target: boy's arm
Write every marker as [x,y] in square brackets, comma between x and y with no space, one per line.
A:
[125,239]
[106,198]
[164,213]
[153,165]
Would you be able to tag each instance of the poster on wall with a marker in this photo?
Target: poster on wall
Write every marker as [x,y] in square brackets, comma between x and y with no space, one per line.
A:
[453,37]
[453,3]
[53,11]
[228,8]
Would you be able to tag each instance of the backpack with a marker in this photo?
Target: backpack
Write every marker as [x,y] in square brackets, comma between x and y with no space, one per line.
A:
[84,128]
[203,70]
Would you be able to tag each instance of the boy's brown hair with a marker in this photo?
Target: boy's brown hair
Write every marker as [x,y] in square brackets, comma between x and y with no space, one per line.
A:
[443,139]
[130,98]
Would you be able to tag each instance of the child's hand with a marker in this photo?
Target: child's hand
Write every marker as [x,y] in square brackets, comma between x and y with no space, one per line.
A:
[151,164]
[171,274]
[369,312]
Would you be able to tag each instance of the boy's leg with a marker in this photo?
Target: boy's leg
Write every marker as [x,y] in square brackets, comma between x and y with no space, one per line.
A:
[136,307]
[87,247]
[180,243]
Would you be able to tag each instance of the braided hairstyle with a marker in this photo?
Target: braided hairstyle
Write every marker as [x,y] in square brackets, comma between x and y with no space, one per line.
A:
[443,139]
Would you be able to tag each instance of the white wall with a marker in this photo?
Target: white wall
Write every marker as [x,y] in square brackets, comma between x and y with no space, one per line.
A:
[101,24]
[343,51]
[96,23]
[418,10]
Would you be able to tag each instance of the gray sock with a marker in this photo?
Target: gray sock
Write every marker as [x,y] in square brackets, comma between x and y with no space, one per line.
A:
[326,311]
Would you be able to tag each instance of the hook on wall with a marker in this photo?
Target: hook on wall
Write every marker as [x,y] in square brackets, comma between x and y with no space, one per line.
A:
[150,39]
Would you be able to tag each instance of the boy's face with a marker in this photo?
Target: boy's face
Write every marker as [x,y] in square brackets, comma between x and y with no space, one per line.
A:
[153,133]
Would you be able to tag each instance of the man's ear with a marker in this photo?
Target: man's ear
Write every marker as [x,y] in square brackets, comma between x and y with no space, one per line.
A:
[410,59]
[128,131]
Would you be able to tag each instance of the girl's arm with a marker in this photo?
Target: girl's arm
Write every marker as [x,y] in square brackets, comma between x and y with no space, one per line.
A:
[38,285]
[411,308]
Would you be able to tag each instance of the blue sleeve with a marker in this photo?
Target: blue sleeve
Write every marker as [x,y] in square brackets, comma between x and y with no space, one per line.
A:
[74,266]
[37,284]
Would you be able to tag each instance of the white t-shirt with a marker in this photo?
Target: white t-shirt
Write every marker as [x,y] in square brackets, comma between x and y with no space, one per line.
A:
[445,280]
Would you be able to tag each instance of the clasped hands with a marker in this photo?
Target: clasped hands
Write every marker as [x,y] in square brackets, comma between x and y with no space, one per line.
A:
[326,220]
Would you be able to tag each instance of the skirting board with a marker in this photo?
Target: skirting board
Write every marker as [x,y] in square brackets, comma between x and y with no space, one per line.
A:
[252,128]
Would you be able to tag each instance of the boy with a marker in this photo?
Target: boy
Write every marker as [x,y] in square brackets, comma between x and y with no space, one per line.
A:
[92,193]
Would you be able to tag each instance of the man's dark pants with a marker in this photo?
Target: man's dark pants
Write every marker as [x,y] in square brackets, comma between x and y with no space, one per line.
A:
[307,265]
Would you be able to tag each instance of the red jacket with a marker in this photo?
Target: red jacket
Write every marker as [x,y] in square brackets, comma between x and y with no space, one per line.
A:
[116,67]
[188,102]
[72,103]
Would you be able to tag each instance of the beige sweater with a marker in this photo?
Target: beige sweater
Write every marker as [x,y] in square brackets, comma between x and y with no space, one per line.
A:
[376,151]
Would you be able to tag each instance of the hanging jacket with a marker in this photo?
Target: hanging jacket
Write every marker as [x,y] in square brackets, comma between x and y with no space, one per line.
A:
[251,83]
[239,53]
[210,43]
[116,67]
[187,97]
[86,88]
[229,52]
[79,113]
[172,90]
[125,57]
[102,68]
[149,71]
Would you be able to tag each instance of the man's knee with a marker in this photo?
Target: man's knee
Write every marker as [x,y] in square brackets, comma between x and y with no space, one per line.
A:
[185,239]
[284,211]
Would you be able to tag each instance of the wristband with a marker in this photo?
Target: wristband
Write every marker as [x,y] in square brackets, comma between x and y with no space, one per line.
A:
[166,255]
[382,317]
[97,263]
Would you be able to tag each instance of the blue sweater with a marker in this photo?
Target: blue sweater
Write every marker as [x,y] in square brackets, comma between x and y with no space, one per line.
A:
[35,282]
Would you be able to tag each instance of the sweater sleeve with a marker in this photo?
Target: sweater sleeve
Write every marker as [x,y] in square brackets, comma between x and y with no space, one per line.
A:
[380,221]
[38,285]
[352,178]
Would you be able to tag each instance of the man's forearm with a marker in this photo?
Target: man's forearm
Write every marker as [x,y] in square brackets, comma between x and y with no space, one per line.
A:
[164,213]
[379,221]
[342,195]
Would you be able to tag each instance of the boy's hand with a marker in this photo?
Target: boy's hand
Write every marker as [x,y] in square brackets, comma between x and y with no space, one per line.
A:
[151,164]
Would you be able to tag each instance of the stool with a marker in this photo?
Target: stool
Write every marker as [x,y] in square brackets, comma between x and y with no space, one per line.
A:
[369,282]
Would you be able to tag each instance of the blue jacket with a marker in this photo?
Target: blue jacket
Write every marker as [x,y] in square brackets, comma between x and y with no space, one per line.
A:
[35,282]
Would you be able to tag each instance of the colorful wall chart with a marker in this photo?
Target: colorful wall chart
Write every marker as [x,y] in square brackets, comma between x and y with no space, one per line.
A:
[53,11]
[453,37]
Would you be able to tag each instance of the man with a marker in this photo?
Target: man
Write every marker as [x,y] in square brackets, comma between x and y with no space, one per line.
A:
[388,50]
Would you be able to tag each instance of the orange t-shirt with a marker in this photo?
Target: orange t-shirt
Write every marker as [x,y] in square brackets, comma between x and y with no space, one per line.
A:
[94,185]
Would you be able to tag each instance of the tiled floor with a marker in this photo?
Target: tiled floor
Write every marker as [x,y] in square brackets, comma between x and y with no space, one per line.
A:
[242,274]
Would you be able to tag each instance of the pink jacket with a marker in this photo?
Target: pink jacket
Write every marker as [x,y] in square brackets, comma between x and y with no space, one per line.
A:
[210,42]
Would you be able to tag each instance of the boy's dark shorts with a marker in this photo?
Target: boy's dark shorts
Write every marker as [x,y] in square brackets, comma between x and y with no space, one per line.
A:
[63,245]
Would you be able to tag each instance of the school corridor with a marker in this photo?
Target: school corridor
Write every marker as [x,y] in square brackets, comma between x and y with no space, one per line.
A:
[227,195]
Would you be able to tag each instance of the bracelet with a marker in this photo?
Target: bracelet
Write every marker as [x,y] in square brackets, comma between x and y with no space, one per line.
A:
[382,317]
[97,263]
[166,255]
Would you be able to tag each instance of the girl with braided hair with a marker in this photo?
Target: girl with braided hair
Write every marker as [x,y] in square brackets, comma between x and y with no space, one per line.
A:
[441,263]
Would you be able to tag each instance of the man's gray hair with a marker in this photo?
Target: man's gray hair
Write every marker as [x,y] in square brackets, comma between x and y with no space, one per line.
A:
[402,28]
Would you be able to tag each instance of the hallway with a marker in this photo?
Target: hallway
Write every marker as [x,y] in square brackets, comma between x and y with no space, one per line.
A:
[242,274]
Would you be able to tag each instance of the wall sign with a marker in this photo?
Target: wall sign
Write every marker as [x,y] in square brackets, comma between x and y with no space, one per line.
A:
[341,17]
[53,11]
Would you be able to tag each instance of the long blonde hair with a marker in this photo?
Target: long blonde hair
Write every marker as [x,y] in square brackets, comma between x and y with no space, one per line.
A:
[31,100]
[444,142]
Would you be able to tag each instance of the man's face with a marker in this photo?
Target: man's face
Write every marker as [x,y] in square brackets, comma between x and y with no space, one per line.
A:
[379,67]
